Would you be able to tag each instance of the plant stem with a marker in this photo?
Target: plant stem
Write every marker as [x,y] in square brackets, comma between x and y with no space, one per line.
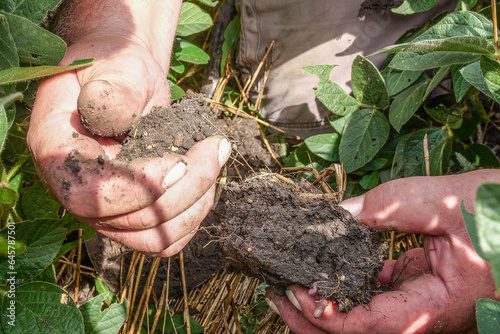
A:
[495,25]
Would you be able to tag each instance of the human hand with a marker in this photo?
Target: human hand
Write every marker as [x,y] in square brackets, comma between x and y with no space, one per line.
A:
[434,288]
[152,205]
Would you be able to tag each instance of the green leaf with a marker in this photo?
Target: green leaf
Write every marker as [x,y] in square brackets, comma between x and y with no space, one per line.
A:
[465,5]
[10,246]
[452,117]
[339,123]
[322,71]
[4,127]
[302,157]
[487,158]
[34,11]
[35,45]
[473,74]
[436,80]
[176,65]
[460,85]
[37,203]
[414,6]
[470,225]
[8,196]
[325,146]
[192,20]
[487,316]
[176,92]
[18,74]
[209,3]
[101,316]
[368,86]
[460,44]
[398,80]
[8,50]
[488,225]
[369,181]
[335,98]
[40,308]
[364,135]
[188,52]
[439,157]
[43,238]
[491,72]
[231,38]
[405,104]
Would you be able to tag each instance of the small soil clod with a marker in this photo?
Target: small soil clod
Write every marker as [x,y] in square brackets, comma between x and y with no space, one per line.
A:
[292,234]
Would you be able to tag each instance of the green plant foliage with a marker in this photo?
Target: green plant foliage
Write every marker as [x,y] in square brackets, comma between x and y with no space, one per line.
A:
[488,316]
[405,104]
[231,38]
[364,135]
[103,316]
[414,6]
[192,20]
[43,238]
[40,308]
[325,146]
[368,86]
[34,11]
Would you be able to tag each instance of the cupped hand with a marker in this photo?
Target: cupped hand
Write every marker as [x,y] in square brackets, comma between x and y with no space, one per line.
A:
[434,288]
[152,205]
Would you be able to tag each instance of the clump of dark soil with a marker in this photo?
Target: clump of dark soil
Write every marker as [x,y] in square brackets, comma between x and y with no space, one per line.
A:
[174,129]
[287,233]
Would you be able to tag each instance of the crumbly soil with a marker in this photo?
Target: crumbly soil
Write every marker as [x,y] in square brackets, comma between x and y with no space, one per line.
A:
[279,232]
[287,233]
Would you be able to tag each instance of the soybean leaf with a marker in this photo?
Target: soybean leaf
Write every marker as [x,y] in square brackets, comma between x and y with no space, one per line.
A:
[18,74]
[209,3]
[301,157]
[322,71]
[460,85]
[48,275]
[8,196]
[465,5]
[491,72]
[368,86]
[231,38]
[34,11]
[473,74]
[364,135]
[36,203]
[8,50]
[398,163]
[398,80]
[176,92]
[453,117]
[43,238]
[10,246]
[4,127]
[176,65]
[436,80]
[188,52]
[35,45]
[488,225]
[439,157]
[335,98]
[41,308]
[487,315]
[192,20]
[405,104]
[325,146]
[102,316]
[414,6]
[339,123]
[487,158]
[369,181]
[471,226]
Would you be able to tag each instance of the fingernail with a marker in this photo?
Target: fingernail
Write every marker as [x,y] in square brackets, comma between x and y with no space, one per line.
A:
[224,151]
[293,300]
[273,306]
[354,205]
[174,175]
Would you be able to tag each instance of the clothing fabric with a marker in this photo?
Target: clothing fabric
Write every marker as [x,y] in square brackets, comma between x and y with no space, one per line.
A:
[313,32]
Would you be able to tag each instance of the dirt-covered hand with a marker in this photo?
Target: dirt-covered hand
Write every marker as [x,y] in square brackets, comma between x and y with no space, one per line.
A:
[152,205]
[434,288]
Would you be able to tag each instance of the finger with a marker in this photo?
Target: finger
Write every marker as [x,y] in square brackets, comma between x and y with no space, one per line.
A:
[385,276]
[411,263]
[291,315]
[117,89]
[165,239]
[415,308]
[76,168]
[204,161]
[429,205]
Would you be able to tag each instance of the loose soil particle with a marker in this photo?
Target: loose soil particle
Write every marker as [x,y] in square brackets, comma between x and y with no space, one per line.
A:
[292,234]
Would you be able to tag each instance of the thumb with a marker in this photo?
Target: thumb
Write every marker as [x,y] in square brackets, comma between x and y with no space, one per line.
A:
[413,205]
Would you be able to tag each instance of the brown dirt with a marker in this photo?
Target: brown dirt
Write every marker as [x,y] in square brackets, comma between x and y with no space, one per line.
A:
[286,233]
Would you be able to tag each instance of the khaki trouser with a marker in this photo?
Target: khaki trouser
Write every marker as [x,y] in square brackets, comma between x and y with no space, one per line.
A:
[313,32]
